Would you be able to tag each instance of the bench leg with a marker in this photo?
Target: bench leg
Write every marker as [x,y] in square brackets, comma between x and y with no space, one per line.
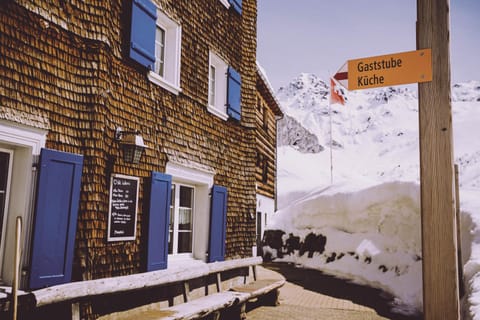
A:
[237,312]
[271,298]
[214,316]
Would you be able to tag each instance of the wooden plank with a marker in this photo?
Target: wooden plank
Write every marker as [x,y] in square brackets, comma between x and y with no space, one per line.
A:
[77,290]
[194,309]
[260,287]
[440,280]
[234,264]
[461,286]
[206,305]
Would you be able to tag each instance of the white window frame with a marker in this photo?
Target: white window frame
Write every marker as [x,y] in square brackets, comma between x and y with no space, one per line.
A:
[176,212]
[170,80]
[3,223]
[225,3]
[202,181]
[219,106]
[26,143]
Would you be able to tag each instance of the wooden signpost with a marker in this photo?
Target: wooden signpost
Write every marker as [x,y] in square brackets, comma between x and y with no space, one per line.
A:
[387,70]
[432,73]
[440,274]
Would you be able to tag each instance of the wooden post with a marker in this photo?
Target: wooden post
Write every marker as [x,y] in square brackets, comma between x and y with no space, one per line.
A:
[461,286]
[440,280]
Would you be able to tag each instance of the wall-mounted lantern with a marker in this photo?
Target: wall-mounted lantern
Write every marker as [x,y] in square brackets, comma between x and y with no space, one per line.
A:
[132,145]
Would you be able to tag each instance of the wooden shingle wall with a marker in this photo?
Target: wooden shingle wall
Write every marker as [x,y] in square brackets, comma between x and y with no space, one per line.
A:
[67,62]
[267,112]
[266,146]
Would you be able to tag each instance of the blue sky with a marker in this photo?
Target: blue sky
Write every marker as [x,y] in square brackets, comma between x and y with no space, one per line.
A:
[318,36]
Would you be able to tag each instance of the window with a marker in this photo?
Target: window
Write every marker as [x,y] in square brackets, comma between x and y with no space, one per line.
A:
[265,117]
[166,72]
[262,164]
[182,201]
[160,51]
[217,86]
[19,147]
[265,171]
[224,85]
[190,209]
[180,233]
[155,44]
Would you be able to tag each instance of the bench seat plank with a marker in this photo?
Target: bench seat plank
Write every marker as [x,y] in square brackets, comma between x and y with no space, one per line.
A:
[193,309]
[259,287]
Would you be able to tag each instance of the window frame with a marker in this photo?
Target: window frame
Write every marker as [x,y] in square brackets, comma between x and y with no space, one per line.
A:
[219,106]
[26,142]
[175,213]
[3,221]
[170,80]
[225,3]
[202,180]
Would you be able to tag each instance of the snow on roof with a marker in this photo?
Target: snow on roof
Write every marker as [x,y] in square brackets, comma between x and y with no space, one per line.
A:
[263,75]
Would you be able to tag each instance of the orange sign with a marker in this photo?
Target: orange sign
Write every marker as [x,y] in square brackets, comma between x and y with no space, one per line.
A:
[387,70]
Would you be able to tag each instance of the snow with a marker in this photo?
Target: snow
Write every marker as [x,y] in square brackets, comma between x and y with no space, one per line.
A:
[369,208]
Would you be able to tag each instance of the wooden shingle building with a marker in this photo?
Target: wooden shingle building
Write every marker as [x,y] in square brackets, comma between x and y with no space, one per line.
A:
[129,137]
[267,115]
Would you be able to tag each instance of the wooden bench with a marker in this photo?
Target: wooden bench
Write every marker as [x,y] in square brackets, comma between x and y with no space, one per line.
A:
[231,302]
[226,298]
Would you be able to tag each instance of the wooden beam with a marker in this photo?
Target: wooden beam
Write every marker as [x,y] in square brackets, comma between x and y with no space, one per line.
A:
[77,290]
[461,286]
[440,280]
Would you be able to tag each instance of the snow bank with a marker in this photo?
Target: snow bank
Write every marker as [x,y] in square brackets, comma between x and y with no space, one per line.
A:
[373,236]
[470,226]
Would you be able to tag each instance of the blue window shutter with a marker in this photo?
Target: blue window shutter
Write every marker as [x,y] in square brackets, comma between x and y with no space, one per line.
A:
[218,224]
[142,32]
[237,5]
[234,84]
[56,212]
[158,220]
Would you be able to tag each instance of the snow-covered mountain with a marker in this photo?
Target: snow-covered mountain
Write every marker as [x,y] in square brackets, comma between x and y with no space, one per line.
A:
[292,133]
[355,208]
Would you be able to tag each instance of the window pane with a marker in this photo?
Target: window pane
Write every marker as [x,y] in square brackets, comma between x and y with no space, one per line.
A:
[185,219]
[4,165]
[181,223]
[212,86]
[184,242]
[160,51]
[186,197]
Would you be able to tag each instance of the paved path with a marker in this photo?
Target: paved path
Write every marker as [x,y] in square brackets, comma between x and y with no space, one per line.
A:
[311,295]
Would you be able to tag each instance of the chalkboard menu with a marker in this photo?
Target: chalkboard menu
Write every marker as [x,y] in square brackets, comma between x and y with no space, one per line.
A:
[122,216]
